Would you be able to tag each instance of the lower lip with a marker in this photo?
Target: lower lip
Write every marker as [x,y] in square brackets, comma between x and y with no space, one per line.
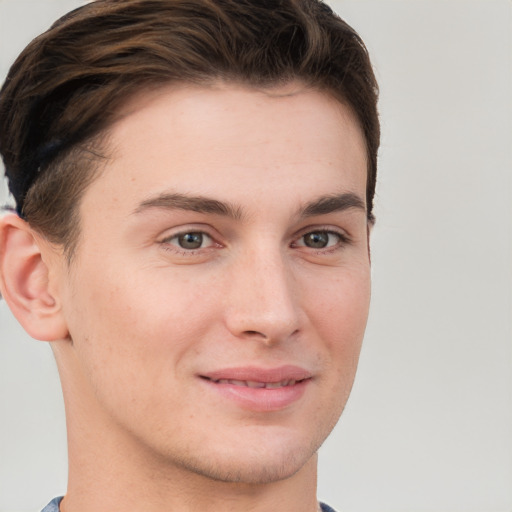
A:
[260,399]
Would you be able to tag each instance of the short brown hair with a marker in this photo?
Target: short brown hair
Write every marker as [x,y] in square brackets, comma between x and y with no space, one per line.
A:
[64,89]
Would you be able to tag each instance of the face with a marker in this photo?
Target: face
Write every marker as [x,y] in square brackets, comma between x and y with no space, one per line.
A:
[220,289]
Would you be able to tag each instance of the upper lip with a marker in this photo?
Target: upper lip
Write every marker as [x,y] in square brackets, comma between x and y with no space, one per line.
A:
[259,374]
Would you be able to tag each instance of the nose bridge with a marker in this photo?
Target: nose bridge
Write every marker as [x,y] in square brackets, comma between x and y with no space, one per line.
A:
[262,298]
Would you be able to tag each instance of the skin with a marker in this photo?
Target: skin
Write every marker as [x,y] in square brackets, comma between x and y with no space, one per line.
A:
[137,320]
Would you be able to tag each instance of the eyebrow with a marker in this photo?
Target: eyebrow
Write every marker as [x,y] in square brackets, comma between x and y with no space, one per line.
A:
[333,203]
[198,204]
[201,204]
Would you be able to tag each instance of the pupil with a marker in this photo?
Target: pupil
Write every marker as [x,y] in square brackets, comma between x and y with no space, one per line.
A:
[316,240]
[191,240]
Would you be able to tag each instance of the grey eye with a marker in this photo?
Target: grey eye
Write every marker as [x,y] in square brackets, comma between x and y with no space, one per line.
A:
[316,239]
[190,240]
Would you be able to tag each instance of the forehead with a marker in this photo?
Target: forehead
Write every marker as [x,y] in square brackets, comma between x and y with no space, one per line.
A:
[228,141]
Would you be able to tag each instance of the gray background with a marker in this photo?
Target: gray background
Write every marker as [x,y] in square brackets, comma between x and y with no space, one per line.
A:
[429,425]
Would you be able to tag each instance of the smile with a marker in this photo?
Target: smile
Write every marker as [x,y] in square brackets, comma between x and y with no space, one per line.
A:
[257,384]
[260,390]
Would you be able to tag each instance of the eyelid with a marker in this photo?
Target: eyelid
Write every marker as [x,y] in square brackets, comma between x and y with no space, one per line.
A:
[322,228]
[169,234]
[167,239]
[187,228]
[343,238]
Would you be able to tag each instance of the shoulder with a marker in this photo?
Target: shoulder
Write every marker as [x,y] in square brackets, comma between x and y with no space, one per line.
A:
[53,506]
[324,507]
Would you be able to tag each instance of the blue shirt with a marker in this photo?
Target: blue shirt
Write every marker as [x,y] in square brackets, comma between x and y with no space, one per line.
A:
[53,506]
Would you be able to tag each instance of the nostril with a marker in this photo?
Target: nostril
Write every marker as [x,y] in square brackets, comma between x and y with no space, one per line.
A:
[256,333]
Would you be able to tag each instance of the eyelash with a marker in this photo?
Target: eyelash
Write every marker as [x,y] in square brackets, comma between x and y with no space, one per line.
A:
[342,240]
[167,244]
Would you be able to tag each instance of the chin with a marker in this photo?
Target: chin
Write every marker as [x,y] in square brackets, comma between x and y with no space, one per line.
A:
[262,461]
[251,471]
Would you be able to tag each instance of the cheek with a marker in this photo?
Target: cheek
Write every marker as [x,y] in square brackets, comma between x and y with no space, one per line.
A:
[143,305]
[132,333]
[339,315]
[133,349]
[341,308]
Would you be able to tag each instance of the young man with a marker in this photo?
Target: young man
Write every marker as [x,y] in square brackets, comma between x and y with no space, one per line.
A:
[194,184]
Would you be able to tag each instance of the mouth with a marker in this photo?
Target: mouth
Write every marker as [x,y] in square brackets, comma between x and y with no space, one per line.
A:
[259,389]
[257,384]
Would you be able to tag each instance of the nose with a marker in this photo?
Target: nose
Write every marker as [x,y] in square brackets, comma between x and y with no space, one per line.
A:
[262,302]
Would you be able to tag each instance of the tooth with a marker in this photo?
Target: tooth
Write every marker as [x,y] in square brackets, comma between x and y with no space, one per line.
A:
[238,382]
[274,385]
[257,385]
[254,384]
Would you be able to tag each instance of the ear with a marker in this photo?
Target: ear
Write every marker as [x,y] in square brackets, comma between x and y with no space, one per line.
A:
[25,280]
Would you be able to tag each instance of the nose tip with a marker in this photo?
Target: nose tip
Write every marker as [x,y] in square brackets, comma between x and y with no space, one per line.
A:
[263,304]
[270,337]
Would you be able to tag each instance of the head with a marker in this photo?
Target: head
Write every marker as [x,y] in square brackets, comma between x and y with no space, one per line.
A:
[54,125]
[195,183]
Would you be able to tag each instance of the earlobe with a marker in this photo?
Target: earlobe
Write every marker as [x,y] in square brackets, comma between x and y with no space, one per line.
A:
[25,281]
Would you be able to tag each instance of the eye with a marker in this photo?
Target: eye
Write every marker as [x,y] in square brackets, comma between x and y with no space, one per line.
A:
[320,239]
[190,241]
